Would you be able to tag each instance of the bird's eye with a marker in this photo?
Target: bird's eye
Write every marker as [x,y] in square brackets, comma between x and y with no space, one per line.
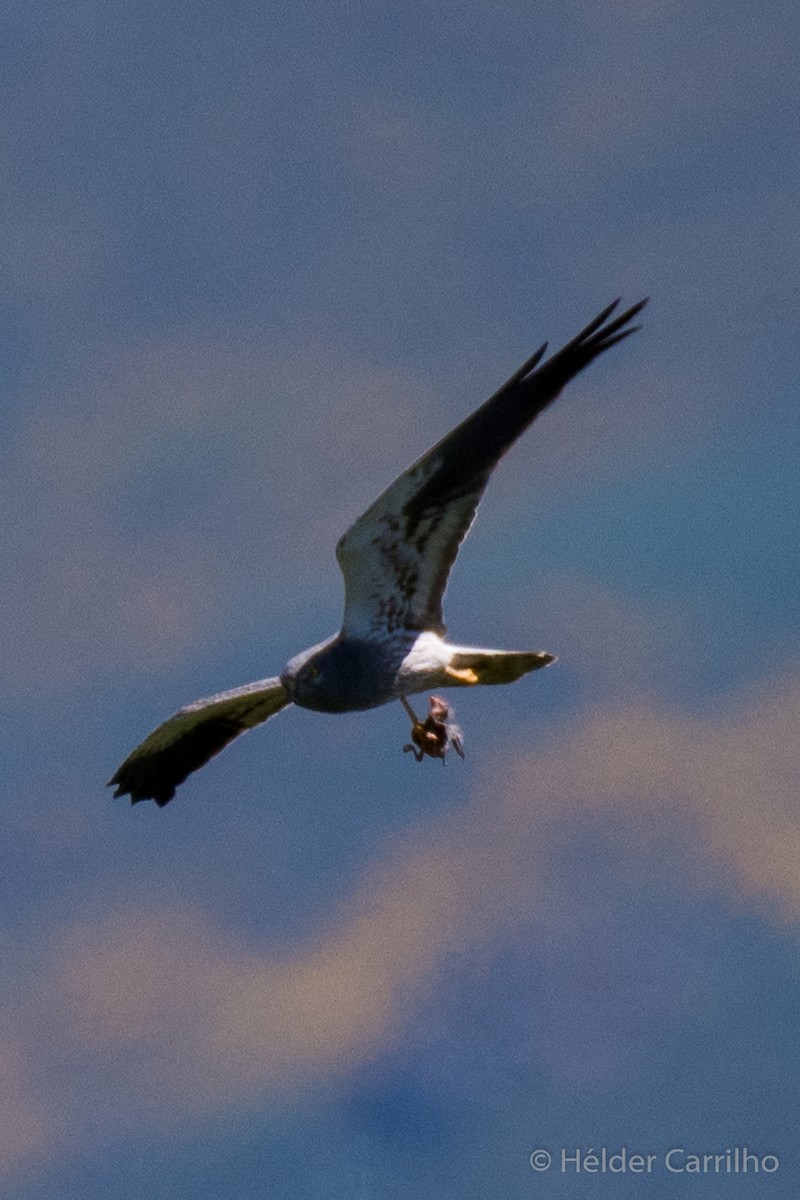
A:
[313,673]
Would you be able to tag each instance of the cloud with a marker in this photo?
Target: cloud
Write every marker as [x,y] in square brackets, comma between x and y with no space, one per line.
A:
[172,1014]
[737,770]
[27,1126]
[154,487]
[212,1020]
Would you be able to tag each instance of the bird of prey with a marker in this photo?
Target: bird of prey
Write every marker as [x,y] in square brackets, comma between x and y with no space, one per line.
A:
[395,560]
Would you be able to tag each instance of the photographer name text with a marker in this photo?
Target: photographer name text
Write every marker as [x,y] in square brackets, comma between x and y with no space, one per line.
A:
[735,1160]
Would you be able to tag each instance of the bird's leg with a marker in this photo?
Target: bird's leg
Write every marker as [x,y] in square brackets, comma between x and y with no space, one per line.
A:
[417,733]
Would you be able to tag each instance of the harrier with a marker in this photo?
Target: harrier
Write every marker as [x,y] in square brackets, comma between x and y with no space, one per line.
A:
[395,560]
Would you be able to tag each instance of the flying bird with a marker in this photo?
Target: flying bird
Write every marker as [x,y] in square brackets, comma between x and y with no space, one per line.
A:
[395,559]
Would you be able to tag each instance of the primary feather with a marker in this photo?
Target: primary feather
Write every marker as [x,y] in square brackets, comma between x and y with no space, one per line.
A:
[396,558]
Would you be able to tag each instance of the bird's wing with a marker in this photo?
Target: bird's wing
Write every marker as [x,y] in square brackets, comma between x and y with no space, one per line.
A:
[396,557]
[192,736]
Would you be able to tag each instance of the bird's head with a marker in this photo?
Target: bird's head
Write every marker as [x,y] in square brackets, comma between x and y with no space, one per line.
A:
[307,677]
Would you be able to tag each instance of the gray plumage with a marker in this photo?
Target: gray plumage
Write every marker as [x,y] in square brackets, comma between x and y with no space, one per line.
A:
[395,560]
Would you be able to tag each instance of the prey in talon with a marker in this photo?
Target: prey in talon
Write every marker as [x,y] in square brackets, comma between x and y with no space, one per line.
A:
[436,734]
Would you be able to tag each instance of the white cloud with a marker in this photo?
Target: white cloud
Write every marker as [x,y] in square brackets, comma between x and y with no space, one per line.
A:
[173,1014]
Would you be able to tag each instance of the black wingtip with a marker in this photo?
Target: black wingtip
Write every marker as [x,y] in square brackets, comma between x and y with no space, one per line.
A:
[138,795]
[619,337]
[138,798]
[633,310]
[604,331]
[162,799]
[606,313]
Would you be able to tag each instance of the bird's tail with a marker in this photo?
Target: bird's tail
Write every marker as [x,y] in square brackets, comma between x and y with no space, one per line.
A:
[469,665]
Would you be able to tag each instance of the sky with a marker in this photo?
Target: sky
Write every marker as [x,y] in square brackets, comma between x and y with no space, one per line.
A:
[256,259]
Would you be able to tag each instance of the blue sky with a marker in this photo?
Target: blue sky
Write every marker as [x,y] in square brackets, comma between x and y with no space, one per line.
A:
[255,262]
